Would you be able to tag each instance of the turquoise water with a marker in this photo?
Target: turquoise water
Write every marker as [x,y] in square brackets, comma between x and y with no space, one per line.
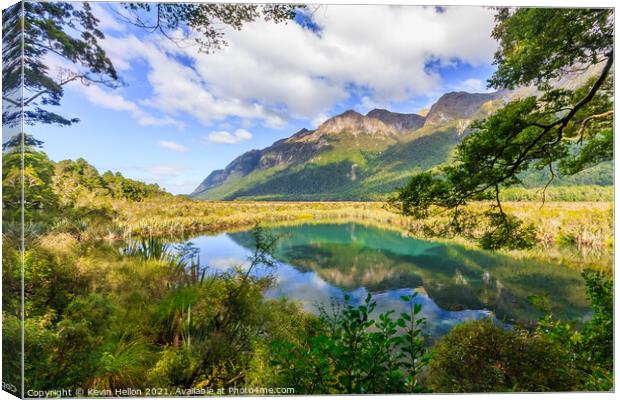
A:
[320,263]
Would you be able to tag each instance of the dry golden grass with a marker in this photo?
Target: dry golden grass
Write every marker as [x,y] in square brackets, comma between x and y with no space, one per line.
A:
[59,243]
[583,224]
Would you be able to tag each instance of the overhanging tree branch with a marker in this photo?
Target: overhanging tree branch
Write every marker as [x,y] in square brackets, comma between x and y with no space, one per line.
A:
[537,46]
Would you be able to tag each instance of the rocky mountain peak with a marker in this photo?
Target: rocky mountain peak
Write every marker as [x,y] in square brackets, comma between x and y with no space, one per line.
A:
[301,132]
[299,135]
[327,159]
[349,114]
[355,123]
[399,121]
[457,105]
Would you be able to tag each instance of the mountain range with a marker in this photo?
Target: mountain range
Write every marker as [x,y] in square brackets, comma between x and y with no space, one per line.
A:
[352,156]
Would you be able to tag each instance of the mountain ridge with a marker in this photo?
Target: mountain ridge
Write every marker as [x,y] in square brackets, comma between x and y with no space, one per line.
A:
[349,138]
[399,121]
[351,156]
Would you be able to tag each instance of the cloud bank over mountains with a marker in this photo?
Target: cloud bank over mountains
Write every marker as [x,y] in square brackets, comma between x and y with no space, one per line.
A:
[270,72]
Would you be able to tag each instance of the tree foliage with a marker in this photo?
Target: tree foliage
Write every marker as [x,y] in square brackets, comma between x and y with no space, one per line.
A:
[562,130]
[202,23]
[62,191]
[31,170]
[537,45]
[35,31]
[75,179]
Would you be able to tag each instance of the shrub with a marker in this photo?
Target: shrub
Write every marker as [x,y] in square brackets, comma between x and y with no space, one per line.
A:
[591,348]
[350,352]
[173,369]
[480,356]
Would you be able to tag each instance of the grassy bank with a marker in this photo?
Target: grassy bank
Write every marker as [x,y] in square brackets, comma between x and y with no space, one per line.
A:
[584,224]
[578,234]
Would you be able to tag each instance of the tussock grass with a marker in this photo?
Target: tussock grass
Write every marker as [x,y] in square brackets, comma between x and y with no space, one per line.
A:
[582,224]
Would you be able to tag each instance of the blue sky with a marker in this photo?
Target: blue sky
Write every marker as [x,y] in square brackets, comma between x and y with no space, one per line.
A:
[183,113]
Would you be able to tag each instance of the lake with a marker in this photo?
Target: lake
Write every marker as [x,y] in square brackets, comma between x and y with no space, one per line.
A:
[319,263]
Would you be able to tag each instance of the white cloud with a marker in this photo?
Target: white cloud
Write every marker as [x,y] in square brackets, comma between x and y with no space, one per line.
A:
[114,101]
[169,145]
[106,98]
[367,103]
[107,20]
[178,88]
[318,120]
[473,86]
[271,72]
[240,135]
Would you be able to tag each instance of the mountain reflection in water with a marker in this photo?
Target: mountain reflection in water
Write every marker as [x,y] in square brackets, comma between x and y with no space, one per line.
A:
[322,262]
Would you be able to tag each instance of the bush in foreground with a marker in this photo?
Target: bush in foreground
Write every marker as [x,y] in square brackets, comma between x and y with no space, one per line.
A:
[480,356]
[348,351]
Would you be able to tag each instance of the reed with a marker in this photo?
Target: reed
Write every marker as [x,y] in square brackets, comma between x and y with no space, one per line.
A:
[582,224]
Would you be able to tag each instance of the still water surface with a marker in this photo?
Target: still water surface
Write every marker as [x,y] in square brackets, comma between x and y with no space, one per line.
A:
[320,263]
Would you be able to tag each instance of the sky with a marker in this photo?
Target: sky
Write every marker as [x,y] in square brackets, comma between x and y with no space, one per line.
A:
[182,113]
